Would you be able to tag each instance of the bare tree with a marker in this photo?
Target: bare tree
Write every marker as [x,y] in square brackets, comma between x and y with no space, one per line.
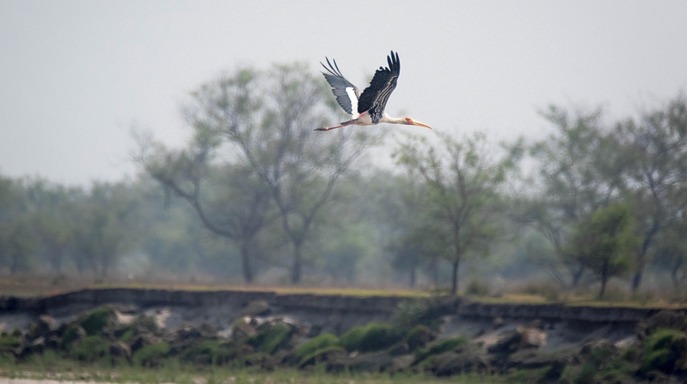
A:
[263,122]
[228,199]
[463,180]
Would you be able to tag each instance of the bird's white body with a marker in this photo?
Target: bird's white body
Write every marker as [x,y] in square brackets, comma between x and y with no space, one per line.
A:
[363,119]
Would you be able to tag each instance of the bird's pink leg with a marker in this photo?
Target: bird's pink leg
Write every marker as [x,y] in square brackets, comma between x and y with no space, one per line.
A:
[344,124]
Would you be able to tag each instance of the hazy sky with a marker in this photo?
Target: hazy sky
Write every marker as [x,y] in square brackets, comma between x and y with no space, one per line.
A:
[75,76]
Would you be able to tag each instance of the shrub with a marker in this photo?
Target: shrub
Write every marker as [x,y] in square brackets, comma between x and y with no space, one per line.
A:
[7,358]
[419,336]
[664,319]
[477,288]
[664,350]
[94,321]
[312,346]
[126,334]
[553,373]
[7,345]
[371,337]
[271,339]
[151,355]
[586,374]
[208,352]
[317,349]
[145,323]
[420,312]
[9,341]
[71,334]
[440,347]
[90,348]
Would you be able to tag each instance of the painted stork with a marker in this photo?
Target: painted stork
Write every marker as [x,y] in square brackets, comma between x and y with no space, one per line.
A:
[366,108]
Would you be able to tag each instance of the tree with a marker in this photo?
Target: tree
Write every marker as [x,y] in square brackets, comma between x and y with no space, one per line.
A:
[52,210]
[106,228]
[671,252]
[261,123]
[463,181]
[577,172]
[605,241]
[655,172]
[235,205]
[399,203]
[15,241]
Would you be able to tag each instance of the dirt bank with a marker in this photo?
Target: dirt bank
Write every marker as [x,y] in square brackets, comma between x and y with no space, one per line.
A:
[271,329]
[334,313]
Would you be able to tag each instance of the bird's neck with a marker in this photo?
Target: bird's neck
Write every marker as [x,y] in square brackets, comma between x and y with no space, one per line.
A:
[392,120]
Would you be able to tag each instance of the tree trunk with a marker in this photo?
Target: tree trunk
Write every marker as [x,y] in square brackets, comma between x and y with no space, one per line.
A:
[576,276]
[454,277]
[641,258]
[245,263]
[434,271]
[602,291]
[604,279]
[102,271]
[674,274]
[55,258]
[297,264]
[637,279]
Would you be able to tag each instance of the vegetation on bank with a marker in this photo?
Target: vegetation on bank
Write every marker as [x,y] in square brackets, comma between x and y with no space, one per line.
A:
[405,347]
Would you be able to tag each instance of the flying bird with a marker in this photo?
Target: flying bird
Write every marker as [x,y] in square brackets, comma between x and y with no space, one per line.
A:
[366,108]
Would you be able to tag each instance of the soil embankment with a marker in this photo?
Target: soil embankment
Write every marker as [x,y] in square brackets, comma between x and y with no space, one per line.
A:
[264,328]
[334,313]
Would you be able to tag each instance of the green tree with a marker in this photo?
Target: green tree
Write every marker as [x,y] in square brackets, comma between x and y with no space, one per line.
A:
[106,228]
[655,172]
[671,252]
[464,180]
[19,246]
[20,200]
[576,173]
[402,206]
[52,211]
[605,241]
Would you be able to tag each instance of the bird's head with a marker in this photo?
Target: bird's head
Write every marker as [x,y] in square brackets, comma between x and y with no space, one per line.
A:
[410,121]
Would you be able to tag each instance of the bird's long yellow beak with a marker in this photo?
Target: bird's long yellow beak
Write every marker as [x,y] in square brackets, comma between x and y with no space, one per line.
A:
[421,124]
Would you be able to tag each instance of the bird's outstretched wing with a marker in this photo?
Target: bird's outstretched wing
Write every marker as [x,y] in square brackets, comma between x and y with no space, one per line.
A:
[346,93]
[374,97]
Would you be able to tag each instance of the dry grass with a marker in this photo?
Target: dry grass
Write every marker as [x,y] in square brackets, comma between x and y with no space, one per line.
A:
[29,286]
[32,286]
[527,292]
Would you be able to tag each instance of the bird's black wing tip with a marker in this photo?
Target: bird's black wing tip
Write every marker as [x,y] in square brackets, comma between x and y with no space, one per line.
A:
[332,67]
[393,61]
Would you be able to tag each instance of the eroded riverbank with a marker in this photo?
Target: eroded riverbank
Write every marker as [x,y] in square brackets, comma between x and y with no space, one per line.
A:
[267,329]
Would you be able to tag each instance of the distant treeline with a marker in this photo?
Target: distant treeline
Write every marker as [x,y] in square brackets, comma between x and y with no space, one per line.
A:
[256,196]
